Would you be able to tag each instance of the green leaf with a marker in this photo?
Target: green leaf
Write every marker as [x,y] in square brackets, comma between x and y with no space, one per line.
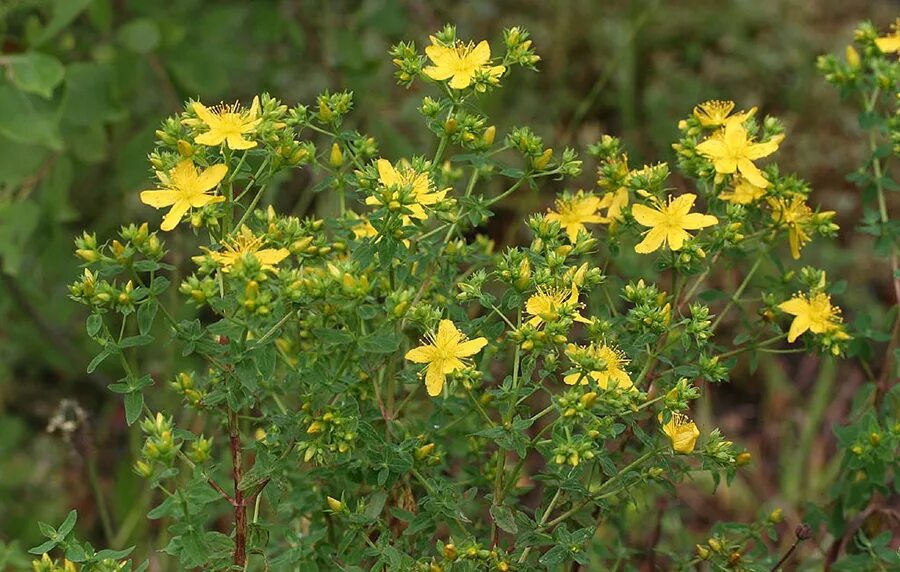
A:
[504,518]
[113,554]
[140,35]
[64,11]
[384,341]
[98,359]
[18,222]
[145,315]
[87,100]
[34,72]
[93,324]
[327,336]
[28,120]
[134,403]
[132,341]
[75,552]
[159,285]
[68,524]
[42,548]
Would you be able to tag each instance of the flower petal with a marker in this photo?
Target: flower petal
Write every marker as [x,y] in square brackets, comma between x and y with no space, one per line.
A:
[422,354]
[174,216]
[159,198]
[211,177]
[470,347]
[652,241]
[676,238]
[694,221]
[434,379]
[647,216]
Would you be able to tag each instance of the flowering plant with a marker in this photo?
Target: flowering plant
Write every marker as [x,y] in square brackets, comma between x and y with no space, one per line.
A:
[387,388]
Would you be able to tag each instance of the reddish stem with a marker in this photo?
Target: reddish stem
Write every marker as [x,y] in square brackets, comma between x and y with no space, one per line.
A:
[240,508]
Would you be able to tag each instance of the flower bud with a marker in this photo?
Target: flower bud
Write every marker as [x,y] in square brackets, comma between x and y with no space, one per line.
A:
[489,135]
[541,162]
[336,158]
[334,504]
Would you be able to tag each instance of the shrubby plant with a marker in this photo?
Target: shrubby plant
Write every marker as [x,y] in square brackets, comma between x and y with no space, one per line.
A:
[387,388]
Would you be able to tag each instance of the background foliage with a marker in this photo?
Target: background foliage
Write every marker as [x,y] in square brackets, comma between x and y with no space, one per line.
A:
[86,82]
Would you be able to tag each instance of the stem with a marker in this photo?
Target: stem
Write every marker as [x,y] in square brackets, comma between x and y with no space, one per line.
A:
[737,293]
[542,522]
[240,509]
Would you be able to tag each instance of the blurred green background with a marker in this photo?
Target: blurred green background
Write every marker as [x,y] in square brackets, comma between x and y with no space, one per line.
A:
[86,82]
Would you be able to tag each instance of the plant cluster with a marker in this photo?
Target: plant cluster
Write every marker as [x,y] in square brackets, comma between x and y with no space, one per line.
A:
[388,388]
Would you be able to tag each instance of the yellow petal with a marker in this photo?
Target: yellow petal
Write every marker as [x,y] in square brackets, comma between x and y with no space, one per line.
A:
[682,204]
[694,221]
[204,113]
[480,55]
[798,327]
[434,379]
[211,138]
[272,256]
[159,198]
[211,177]
[461,79]
[713,148]
[238,143]
[794,306]
[174,216]
[652,241]
[421,354]
[387,174]
[470,348]
[647,216]
[676,238]
[752,173]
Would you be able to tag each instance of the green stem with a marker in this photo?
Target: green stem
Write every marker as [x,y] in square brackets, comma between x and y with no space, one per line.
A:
[737,293]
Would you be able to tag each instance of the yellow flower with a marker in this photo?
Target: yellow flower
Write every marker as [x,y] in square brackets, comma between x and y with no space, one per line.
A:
[407,178]
[572,213]
[682,432]
[246,243]
[744,192]
[713,113]
[548,304]
[182,188]
[363,229]
[731,150]
[445,353]
[227,124]
[799,218]
[614,202]
[669,223]
[460,62]
[615,361]
[811,313]
[891,43]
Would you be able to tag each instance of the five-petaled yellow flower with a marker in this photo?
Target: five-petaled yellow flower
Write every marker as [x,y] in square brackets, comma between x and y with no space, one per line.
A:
[891,43]
[713,113]
[460,62]
[615,371]
[182,188]
[228,124]
[247,243]
[406,177]
[572,213]
[548,304]
[669,223]
[682,432]
[811,313]
[744,192]
[444,353]
[731,150]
